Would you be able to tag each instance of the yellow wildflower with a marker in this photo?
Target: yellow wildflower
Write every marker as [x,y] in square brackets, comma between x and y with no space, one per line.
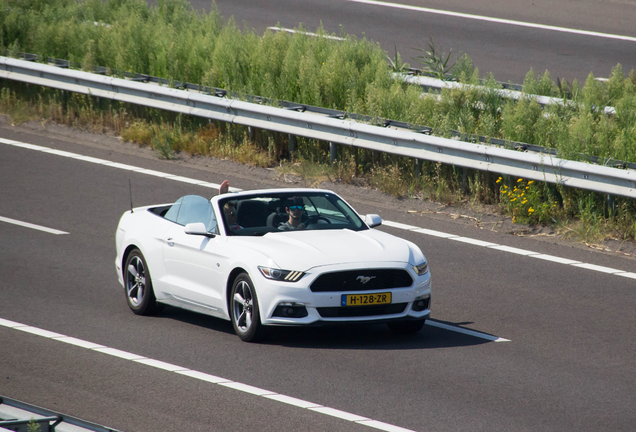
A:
[519,180]
[530,210]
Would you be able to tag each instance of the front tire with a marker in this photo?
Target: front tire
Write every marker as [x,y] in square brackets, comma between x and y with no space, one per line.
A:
[406,327]
[244,310]
[139,293]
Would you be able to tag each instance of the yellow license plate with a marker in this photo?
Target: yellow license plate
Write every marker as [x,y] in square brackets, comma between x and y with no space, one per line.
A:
[366,299]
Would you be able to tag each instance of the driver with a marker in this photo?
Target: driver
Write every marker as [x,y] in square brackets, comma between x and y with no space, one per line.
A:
[295,210]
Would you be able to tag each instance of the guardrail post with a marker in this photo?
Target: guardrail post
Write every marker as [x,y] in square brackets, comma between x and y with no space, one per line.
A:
[333,152]
[292,145]
[464,176]
[418,168]
[250,131]
[355,161]
[611,206]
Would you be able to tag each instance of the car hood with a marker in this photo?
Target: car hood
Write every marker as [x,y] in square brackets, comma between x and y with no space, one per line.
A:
[303,250]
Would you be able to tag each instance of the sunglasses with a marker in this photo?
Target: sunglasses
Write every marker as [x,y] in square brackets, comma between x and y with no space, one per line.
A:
[296,207]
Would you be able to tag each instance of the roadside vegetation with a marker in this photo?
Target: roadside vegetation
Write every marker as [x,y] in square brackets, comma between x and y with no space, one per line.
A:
[173,41]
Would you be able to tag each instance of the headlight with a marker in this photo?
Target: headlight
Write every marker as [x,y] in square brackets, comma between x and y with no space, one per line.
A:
[421,268]
[281,275]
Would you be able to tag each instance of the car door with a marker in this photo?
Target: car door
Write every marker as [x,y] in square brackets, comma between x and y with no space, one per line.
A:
[192,262]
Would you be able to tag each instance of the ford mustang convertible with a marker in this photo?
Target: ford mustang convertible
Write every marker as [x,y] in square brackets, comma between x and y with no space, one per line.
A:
[275,257]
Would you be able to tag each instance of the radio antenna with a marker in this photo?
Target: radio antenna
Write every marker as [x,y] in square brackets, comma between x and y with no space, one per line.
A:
[130,189]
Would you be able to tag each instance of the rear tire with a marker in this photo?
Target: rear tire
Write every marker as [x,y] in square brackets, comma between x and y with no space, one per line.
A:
[244,311]
[139,293]
[406,327]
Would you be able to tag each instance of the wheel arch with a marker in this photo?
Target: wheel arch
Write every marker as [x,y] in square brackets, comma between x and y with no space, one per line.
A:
[228,287]
[125,255]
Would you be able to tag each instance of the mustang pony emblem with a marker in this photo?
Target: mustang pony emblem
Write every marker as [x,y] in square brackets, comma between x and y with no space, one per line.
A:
[364,279]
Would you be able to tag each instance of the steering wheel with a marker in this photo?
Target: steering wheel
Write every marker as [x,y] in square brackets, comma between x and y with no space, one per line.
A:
[315,218]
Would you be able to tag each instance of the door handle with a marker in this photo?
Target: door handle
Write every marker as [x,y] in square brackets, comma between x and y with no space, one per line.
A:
[169,242]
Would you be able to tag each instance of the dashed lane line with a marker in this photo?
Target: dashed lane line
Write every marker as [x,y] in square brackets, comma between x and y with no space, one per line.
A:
[495,20]
[246,388]
[32,226]
[398,225]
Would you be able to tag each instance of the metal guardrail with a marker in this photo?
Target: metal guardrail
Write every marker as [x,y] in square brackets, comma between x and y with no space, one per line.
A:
[507,93]
[298,121]
[472,138]
[17,416]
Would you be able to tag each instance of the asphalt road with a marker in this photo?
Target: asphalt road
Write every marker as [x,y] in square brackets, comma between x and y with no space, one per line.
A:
[568,365]
[507,50]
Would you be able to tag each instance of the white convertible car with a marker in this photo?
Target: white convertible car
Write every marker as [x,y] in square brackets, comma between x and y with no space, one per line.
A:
[271,258]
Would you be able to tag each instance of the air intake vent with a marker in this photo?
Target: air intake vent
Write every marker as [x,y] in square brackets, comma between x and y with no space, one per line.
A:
[361,311]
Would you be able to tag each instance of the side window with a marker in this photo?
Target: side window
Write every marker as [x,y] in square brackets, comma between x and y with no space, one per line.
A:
[171,214]
[194,208]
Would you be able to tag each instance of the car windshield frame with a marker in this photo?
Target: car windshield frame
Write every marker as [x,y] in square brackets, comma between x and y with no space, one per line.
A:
[262,213]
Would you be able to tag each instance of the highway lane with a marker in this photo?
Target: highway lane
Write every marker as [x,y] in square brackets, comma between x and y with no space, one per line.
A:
[507,50]
[568,365]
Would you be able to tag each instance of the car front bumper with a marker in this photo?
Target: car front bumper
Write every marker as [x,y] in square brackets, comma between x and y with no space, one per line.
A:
[326,307]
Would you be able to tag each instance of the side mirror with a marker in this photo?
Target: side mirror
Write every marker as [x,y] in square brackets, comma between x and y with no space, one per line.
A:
[373,220]
[197,228]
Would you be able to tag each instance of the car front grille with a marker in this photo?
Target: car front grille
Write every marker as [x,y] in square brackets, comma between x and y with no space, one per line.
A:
[362,280]
[361,311]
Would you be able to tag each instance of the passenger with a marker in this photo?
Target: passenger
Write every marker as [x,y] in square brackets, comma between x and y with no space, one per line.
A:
[295,212]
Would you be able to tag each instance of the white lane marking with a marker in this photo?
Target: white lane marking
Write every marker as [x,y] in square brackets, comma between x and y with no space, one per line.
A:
[247,388]
[188,180]
[427,231]
[203,376]
[155,173]
[598,268]
[304,32]
[382,426]
[39,332]
[401,226]
[340,414]
[473,241]
[434,323]
[121,166]
[168,367]
[555,259]
[60,153]
[514,250]
[292,401]
[119,353]
[32,226]
[496,20]
[398,225]
[10,324]
[79,342]
[161,365]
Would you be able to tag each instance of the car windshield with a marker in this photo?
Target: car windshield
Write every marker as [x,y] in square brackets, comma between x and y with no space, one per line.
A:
[192,208]
[278,212]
